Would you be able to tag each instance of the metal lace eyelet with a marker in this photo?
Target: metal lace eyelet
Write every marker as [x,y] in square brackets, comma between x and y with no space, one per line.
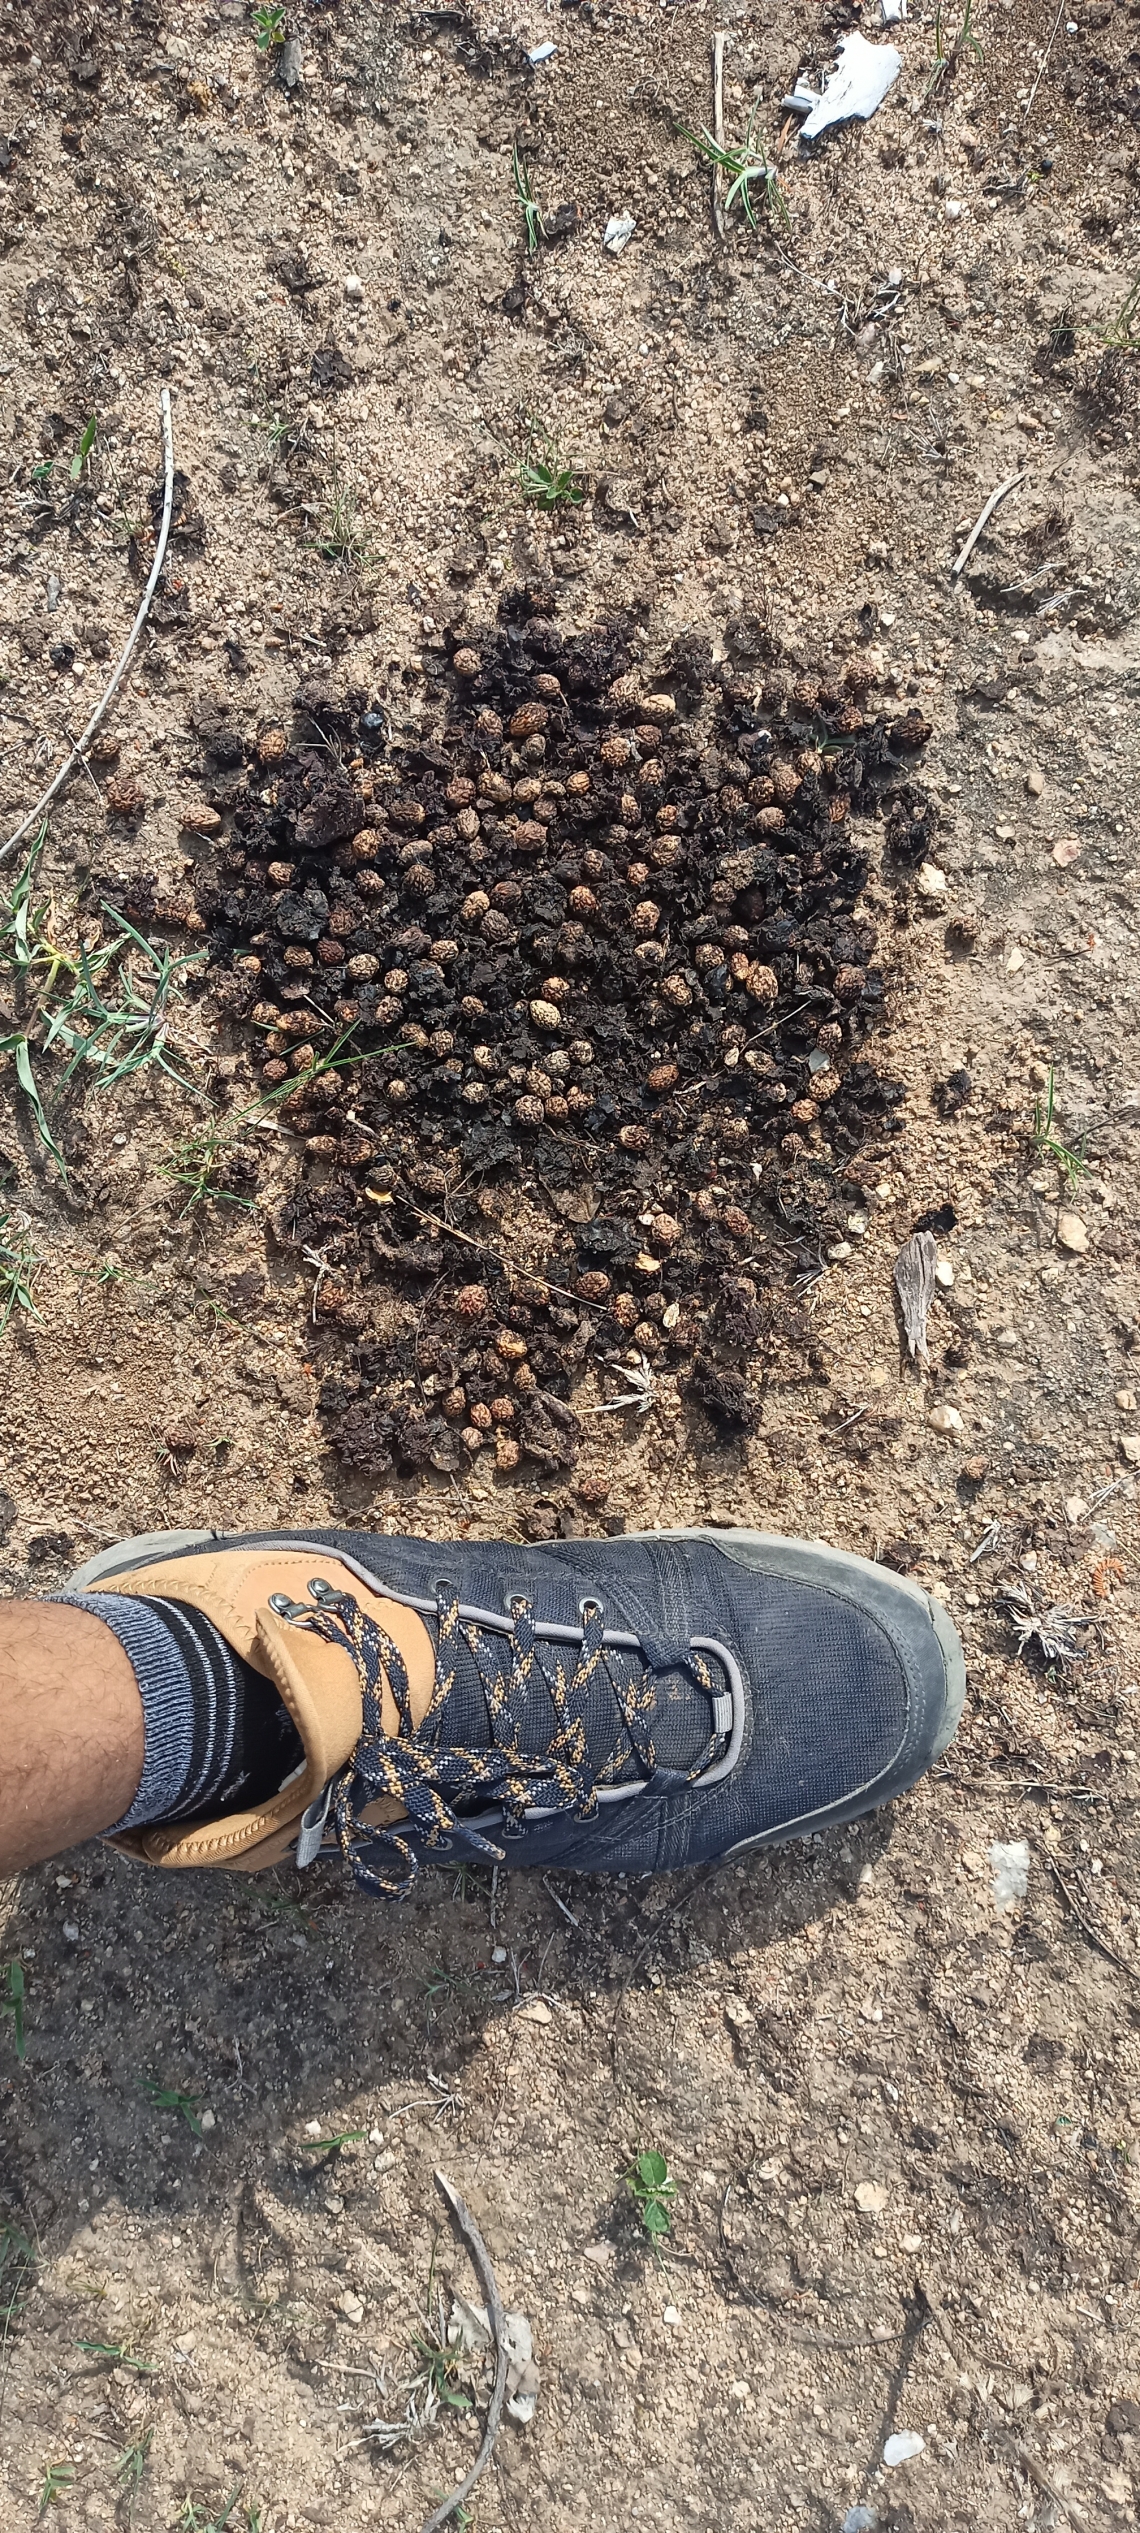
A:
[589,1608]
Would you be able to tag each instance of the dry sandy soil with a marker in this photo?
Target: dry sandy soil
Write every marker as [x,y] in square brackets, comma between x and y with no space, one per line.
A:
[856,2011]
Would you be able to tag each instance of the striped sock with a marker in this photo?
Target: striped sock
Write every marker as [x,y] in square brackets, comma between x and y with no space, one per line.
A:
[217,1737]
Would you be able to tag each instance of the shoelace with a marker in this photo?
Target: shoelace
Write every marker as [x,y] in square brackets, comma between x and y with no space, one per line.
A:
[427,1777]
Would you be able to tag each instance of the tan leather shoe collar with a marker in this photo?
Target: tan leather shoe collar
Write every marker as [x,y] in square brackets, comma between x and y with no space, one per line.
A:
[317,1682]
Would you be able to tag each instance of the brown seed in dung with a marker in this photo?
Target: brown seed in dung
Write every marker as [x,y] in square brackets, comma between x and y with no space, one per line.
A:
[578,784]
[785,782]
[630,810]
[529,719]
[593,1286]
[805,693]
[769,822]
[849,983]
[544,1014]
[467,663]
[661,1077]
[546,686]
[849,719]
[399,1093]
[297,958]
[762,983]
[481,1417]
[859,674]
[506,1452]
[419,880]
[330,953]
[281,874]
[460,791]
[467,825]
[736,1223]
[472,1301]
[634,1138]
[645,917]
[666,1230]
[387,1011]
[471,1438]
[592,1490]
[529,1111]
[804,1111]
[625,1310]
[125,796]
[582,901]
[370,883]
[454,1404]
[511,1346]
[272,745]
[503,1411]
[198,819]
[676,990]
[615,752]
[274,1071]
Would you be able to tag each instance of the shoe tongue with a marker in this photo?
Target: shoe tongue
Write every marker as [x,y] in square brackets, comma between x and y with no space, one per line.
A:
[674,1711]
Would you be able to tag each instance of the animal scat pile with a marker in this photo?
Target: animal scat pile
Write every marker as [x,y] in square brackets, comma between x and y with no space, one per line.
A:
[600,945]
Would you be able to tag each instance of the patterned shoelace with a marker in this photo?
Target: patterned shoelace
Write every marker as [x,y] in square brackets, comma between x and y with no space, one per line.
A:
[428,1778]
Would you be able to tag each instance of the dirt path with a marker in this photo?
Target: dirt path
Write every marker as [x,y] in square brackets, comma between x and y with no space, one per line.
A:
[903,2122]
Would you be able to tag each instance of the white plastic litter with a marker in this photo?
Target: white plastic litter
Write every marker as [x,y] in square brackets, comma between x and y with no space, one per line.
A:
[857,86]
[619,230]
[542,53]
[1011,1872]
[902,2449]
[859,2520]
[894,11]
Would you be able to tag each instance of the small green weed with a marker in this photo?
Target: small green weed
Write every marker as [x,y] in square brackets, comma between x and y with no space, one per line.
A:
[106,1007]
[18,1264]
[747,164]
[1068,1159]
[197,2519]
[653,2189]
[946,56]
[12,2002]
[169,2097]
[117,2353]
[269,25]
[546,476]
[341,534]
[1122,333]
[324,2145]
[17,2262]
[131,2465]
[57,2480]
[524,190]
[440,2369]
[201,1161]
[84,449]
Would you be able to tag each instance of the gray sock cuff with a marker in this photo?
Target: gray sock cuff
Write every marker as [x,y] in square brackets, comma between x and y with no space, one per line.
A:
[165,1688]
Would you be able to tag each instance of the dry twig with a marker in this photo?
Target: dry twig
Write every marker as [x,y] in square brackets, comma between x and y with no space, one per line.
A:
[1009,485]
[83,743]
[481,2260]
[719,42]
[1087,1928]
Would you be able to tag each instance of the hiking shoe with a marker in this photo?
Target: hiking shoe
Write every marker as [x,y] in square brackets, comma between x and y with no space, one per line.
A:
[627,1705]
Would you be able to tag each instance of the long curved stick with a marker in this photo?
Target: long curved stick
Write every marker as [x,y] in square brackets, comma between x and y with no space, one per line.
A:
[498,2320]
[84,741]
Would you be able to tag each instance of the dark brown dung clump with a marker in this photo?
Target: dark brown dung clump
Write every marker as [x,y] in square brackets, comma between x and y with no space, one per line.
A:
[601,955]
